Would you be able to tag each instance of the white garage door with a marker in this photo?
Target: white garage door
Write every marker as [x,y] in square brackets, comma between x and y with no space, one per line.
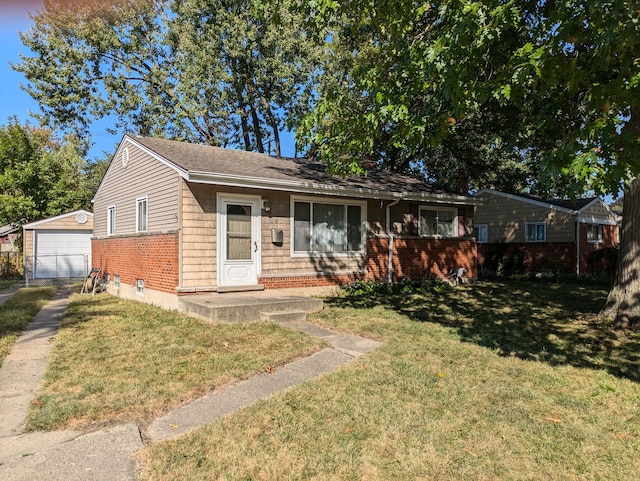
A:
[62,253]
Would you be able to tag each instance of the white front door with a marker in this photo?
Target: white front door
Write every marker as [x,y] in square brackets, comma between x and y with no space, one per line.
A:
[238,240]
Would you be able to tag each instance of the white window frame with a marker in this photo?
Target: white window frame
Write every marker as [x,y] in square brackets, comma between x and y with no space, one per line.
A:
[323,200]
[139,201]
[526,230]
[482,228]
[590,238]
[438,210]
[111,220]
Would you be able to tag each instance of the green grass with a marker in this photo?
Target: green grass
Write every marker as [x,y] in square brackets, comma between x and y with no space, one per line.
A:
[17,312]
[117,360]
[487,381]
[4,283]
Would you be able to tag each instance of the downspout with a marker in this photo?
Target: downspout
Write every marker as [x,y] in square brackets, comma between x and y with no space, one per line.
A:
[577,214]
[390,234]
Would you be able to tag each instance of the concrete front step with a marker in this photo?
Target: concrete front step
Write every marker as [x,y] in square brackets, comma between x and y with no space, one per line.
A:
[284,316]
[244,307]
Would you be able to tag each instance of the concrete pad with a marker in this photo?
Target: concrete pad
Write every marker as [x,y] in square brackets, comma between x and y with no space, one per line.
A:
[353,345]
[23,369]
[104,455]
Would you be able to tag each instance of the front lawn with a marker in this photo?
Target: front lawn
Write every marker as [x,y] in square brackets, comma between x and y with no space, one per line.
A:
[488,381]
[116,360]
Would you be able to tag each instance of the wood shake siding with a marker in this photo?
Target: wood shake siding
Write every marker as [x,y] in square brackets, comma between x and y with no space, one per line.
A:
[199,236]
[143,176]
[506,219]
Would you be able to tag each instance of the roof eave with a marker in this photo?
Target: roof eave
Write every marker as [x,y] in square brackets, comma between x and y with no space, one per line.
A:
[325,189]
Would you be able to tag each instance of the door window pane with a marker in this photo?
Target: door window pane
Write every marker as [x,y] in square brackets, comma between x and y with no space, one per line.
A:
[238,232]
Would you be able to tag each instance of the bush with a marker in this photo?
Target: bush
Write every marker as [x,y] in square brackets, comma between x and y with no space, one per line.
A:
[383,288]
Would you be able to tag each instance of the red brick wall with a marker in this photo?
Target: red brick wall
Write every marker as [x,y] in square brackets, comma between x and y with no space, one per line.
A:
[412,258]
[531,257]
[306,281]
[608,240]
[153,258]
[537,256]
[416,258]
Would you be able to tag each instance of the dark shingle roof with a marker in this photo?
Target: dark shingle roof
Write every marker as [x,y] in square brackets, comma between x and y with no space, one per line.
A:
[569,204]
[197,159]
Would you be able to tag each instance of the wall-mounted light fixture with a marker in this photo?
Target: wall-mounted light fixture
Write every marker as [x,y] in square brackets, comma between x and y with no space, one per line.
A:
[265,205]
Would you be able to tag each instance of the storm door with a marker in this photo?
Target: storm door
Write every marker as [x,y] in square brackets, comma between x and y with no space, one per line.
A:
[238,240]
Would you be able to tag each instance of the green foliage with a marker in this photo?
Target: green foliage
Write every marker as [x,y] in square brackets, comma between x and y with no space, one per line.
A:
[208,71]
[41,176]
[557,82]
[383,289]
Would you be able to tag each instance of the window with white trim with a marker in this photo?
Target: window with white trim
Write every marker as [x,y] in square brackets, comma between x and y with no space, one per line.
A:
[535,232]
[481,233]
[141,214]
[594,233]
[327,227]
[438,222]
[111,220]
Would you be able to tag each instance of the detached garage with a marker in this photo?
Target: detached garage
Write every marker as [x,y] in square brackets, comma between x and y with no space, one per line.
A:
[58,247]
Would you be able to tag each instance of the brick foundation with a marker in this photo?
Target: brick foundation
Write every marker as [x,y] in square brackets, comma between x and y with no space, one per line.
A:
[420,258]
[154,259]
[539,256]
[151,257]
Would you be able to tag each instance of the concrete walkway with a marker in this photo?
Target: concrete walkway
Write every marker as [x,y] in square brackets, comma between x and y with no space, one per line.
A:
[107,455]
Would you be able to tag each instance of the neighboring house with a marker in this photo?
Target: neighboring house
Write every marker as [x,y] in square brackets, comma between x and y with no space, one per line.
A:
[9,255]
[544,234]
[175,218]
[58,247]
[8,237]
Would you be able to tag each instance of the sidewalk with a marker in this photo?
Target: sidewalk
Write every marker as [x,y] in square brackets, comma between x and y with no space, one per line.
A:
[107,455]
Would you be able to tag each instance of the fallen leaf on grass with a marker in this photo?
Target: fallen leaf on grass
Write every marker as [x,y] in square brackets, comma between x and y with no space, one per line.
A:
[270,370]
[620,435]
[347,429]
[468,451]
[553,420]
[37,403]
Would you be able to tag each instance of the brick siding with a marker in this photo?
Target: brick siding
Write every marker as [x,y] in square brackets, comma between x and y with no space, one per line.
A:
[152,258]
[538,256]
[420,258]
[412,259]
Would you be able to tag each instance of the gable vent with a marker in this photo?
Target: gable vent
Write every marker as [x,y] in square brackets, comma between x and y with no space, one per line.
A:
[125,157]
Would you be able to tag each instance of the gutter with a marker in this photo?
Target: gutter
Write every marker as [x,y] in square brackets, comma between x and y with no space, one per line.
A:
[390,234]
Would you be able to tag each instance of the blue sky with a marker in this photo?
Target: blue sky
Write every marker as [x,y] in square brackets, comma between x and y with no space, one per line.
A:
[14,18]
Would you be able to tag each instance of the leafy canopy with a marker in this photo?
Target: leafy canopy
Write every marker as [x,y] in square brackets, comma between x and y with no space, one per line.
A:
[41,176]
[220,72]
[564,75]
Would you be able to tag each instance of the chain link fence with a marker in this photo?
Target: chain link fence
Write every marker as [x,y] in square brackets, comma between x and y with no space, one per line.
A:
[63,269]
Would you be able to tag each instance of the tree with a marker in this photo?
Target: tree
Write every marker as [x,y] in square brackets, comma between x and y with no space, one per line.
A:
[40,176]
[569,71]
[219,72]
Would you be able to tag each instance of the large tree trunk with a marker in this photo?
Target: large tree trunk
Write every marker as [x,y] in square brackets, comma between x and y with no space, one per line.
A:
[623,302]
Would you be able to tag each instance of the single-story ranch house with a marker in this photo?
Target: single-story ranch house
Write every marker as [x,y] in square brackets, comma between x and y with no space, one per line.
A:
[545,234]
[173,218]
